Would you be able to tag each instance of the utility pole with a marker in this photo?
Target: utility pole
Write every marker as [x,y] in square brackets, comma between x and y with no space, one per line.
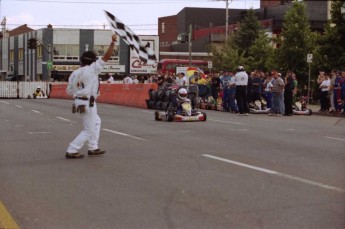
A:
[190,44]
[226,17]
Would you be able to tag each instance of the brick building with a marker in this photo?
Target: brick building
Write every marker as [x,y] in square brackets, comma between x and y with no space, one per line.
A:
[208,25]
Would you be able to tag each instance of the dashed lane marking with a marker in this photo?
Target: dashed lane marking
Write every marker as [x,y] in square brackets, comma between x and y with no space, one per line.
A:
[41,132]
[215,120]
[124,134]
[272,172]
[36,112]
[66,120]
[338,139]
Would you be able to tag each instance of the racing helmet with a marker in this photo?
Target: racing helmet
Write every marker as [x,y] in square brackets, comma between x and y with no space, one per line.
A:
[182,94]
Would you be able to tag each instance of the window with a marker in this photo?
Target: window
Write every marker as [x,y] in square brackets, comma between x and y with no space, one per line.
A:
[12,55]
[101,49]
[163,27]
[66,52]
[21,54]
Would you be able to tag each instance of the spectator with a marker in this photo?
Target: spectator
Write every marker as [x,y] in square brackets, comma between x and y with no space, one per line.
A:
[295,87]
[215,86]
[288,93]
[256,86]
[135,79]
[182,79]
[324,87]
[343,90]
[241,81]
[277,92]
[268,91]
[320,79]
[110,79]
[337,92]
[127,80]
[225,80]
[160,81]
[331,90]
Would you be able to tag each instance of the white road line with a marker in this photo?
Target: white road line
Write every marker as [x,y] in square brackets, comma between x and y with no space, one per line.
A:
[42,132]
[339,139]
[124,134]
[37,112]
[65,119]
[4,102]
[276,173]
[215,120]
[19,106]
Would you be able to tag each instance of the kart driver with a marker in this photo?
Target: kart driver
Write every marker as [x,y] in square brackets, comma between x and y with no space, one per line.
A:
[38,92]
[182,94]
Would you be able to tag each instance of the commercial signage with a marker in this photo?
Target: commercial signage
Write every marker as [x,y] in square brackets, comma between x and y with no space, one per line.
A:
[109,68]
[139,67]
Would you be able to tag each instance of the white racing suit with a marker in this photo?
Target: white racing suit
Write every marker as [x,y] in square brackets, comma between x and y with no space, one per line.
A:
[84,83]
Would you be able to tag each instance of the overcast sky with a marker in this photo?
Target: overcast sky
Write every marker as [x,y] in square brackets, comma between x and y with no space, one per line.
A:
[140,15]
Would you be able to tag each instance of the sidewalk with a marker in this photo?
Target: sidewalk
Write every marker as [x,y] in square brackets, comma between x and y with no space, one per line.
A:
[315,109]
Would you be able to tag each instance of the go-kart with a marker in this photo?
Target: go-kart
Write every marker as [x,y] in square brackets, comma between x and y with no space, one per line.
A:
[185,112]
[259,107]
[300,108]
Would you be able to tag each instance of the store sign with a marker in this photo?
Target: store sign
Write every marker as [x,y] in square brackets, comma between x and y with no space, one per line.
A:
[107,68]
[139,67]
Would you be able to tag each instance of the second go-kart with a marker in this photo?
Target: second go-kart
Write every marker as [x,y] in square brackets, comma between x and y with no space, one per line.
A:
[180,109]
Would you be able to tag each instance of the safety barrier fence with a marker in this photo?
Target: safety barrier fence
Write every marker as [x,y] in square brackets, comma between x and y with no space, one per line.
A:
[21,89]
[134,95]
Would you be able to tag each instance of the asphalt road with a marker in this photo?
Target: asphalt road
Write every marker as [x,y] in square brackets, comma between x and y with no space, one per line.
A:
[228,172]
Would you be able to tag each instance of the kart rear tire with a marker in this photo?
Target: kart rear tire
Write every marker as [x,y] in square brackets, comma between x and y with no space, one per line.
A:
[205,115]
[170,116]
[157,116]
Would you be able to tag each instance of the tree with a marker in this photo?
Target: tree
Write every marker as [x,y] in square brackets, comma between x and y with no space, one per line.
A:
[262,54]
[331,52]
[226,57]
[247,33]
[297,40]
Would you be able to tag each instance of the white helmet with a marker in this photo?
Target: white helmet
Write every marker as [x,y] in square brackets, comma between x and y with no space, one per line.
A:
[182,94]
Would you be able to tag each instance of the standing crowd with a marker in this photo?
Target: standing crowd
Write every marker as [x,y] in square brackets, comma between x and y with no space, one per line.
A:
[238,90]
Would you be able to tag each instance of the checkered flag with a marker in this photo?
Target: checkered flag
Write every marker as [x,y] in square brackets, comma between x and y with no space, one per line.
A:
[131,39]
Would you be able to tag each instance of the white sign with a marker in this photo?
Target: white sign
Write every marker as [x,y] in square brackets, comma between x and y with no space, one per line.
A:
[310,58]
[181,69]
[209,63]
[139,67]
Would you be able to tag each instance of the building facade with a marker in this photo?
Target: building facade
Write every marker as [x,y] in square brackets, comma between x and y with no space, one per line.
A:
[57,54]
[208,25]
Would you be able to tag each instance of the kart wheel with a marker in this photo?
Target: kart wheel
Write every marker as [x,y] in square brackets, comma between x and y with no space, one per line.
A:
[310,111]
[205,116]
[170,116]
[157,116]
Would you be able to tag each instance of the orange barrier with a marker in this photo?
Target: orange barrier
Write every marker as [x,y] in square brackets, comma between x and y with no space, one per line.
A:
[58,91]
[134,95]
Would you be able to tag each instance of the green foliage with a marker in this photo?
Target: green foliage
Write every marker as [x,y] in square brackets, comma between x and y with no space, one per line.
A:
[331,50]
[247,33]
[226,58]
[297,40]
[262,54]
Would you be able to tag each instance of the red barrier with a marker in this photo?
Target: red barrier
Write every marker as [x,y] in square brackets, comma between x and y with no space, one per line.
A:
[58,91]
[134,95]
